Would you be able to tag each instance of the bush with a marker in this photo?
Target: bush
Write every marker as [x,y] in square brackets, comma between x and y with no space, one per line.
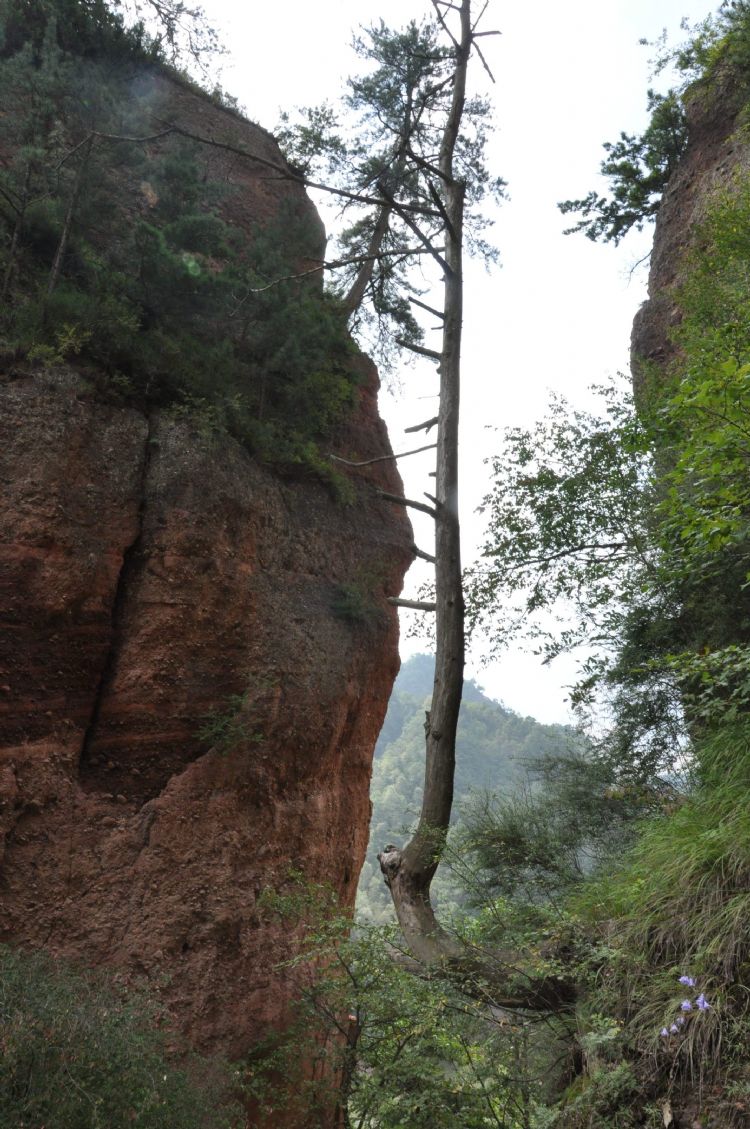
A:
[76,1054]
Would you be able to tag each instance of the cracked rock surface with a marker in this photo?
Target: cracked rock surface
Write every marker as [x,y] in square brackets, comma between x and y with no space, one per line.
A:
[149,578]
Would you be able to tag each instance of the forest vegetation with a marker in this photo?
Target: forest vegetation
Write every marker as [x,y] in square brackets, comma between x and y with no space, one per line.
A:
[611,890]
[121,256]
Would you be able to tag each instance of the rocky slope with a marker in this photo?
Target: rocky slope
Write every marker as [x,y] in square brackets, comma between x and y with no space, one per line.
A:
[151,575]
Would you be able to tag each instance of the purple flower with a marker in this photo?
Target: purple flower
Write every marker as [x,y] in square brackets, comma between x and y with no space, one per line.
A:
[687,981]
[664,1033]
[673,1028]
[680,1020]
[702,1003]
[686,1005]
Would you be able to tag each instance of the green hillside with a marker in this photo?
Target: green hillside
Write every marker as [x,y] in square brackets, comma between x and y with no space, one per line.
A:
[496,747]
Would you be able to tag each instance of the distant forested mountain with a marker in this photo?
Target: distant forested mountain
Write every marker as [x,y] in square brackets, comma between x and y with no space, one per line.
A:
[496,748]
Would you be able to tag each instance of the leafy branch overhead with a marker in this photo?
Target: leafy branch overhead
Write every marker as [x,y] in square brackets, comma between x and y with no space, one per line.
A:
[638,169]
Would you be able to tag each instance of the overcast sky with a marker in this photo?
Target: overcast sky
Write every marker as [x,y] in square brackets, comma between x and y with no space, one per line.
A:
[557,314]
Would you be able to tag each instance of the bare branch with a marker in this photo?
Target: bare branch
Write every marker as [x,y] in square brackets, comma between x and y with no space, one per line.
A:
[383,458]
[572,551]
[638,263]
[441,208]
[336,264]
[407,502]
[424,239]
[443,24]
[16,208]
[424,164]
[479,52]
[478,20]
[426,426]
[284,170]
[88,140]
[415,605]
[424,306]
[420,349]
[422,555]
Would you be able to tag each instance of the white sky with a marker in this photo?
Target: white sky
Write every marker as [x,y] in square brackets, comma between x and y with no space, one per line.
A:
[557,314]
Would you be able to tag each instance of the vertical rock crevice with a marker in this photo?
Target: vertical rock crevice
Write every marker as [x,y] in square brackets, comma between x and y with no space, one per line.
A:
[131,562]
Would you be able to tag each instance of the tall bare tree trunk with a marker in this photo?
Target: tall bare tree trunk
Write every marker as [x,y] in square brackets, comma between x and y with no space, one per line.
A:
[409,872]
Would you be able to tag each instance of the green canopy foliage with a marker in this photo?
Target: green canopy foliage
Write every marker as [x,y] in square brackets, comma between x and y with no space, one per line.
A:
[631,527]
[638,168]
[381,146]
[413,1050]
[123,256]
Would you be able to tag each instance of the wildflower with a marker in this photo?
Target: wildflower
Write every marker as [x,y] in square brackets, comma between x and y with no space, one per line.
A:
[702,1003]
[664,1033]
[680,1020]
[686,1005]
[673,1029]
[688,981]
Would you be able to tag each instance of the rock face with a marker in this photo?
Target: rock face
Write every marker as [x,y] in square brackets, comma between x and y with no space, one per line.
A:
[714,154]
[152,575]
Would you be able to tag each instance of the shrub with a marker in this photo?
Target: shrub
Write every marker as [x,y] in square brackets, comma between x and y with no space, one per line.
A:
[76,1054]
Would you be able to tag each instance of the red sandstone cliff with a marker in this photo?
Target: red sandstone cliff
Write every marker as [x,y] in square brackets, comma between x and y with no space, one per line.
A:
[147,575]
[714,153]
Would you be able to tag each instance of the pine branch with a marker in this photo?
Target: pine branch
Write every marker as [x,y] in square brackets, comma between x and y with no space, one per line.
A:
[421,350]
[337,264]
[424,239]
[284,170]
[424,306]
